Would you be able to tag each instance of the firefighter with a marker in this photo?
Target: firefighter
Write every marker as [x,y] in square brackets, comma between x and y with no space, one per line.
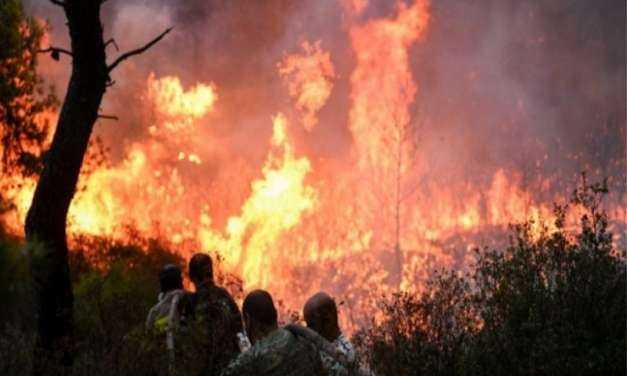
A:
[274,351]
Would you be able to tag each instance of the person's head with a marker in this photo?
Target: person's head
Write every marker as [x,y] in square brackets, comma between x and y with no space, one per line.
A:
[320,314]
[260,316]
[170,278]
[201,269]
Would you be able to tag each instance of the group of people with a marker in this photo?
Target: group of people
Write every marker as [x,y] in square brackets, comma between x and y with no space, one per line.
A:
[250,342]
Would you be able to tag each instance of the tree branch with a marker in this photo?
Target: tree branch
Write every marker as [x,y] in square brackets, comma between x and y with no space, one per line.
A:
[112,41]
[137,51]
[55,51]
[108,117]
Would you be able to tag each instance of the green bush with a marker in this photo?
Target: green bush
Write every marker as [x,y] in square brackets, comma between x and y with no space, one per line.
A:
[115,285]
[14,284]
[16,309]
[550,303]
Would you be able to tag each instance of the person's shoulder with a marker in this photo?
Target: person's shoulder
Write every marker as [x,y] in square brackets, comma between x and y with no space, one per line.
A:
[245,363]
[218,290]
[152,314]
[258,356]
[220,294]
[345,345]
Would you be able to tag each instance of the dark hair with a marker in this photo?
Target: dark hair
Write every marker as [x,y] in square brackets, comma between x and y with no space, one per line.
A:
[259,306]
[322,305]
[201,267]
[170,278]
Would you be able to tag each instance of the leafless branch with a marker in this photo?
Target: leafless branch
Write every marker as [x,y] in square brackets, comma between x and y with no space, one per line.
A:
[55,52]
[112,41]
[108,117]
[137,51]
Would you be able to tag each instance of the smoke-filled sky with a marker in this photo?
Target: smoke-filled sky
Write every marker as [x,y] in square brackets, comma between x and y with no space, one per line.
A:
[494,77]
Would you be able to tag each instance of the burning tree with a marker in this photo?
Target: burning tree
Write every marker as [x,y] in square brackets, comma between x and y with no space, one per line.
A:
[550,303]
[24,100]
[380,120]
[402,144]
[45,225]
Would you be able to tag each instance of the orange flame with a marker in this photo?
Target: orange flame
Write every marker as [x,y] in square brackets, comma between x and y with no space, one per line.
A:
[276,204]
[310,80]
[382,84]
[301,224]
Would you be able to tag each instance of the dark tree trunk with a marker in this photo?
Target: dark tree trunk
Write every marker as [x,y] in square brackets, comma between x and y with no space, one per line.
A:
[46,219]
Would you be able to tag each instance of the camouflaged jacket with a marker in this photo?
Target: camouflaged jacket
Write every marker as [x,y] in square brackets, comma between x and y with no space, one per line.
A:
[216,321]
[280,353]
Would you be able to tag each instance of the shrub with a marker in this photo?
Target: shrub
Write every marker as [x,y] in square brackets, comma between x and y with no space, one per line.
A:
[550,303]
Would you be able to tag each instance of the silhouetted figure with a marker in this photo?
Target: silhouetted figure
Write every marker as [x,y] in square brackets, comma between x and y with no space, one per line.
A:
[217,320]
[166,316]
[275,351]
[320,313]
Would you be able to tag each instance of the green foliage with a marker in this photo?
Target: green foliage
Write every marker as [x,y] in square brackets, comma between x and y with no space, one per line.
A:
[22,94]
[550,303]
[110,309]
[16,308]
[109,305]
[115,285]
[14,283]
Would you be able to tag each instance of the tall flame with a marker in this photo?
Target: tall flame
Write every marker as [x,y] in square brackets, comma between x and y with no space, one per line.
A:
[276,204]
[382,87]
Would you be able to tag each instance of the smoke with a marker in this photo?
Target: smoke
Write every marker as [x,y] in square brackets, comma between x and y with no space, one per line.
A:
[494,77]
[512,83]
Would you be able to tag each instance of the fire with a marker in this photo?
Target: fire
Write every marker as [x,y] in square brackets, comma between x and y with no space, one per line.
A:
[138,191]
[309,78]
[382,84]
[171,100]
[276,204]
[357,226]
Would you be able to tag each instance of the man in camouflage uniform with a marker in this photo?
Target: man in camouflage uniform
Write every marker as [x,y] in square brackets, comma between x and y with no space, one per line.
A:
[275,351]
[216,318]
[320,313]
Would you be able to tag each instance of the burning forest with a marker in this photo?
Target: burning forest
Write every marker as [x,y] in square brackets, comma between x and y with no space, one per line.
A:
[356,147]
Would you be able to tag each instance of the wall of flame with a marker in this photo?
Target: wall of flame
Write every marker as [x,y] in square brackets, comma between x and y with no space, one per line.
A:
[294,221]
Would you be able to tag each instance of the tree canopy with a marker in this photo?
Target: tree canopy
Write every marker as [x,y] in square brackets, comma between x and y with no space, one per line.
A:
[23,94]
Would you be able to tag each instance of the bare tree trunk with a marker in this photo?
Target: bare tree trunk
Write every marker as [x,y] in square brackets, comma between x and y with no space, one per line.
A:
[45,225]
[46,219]
[397,209]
